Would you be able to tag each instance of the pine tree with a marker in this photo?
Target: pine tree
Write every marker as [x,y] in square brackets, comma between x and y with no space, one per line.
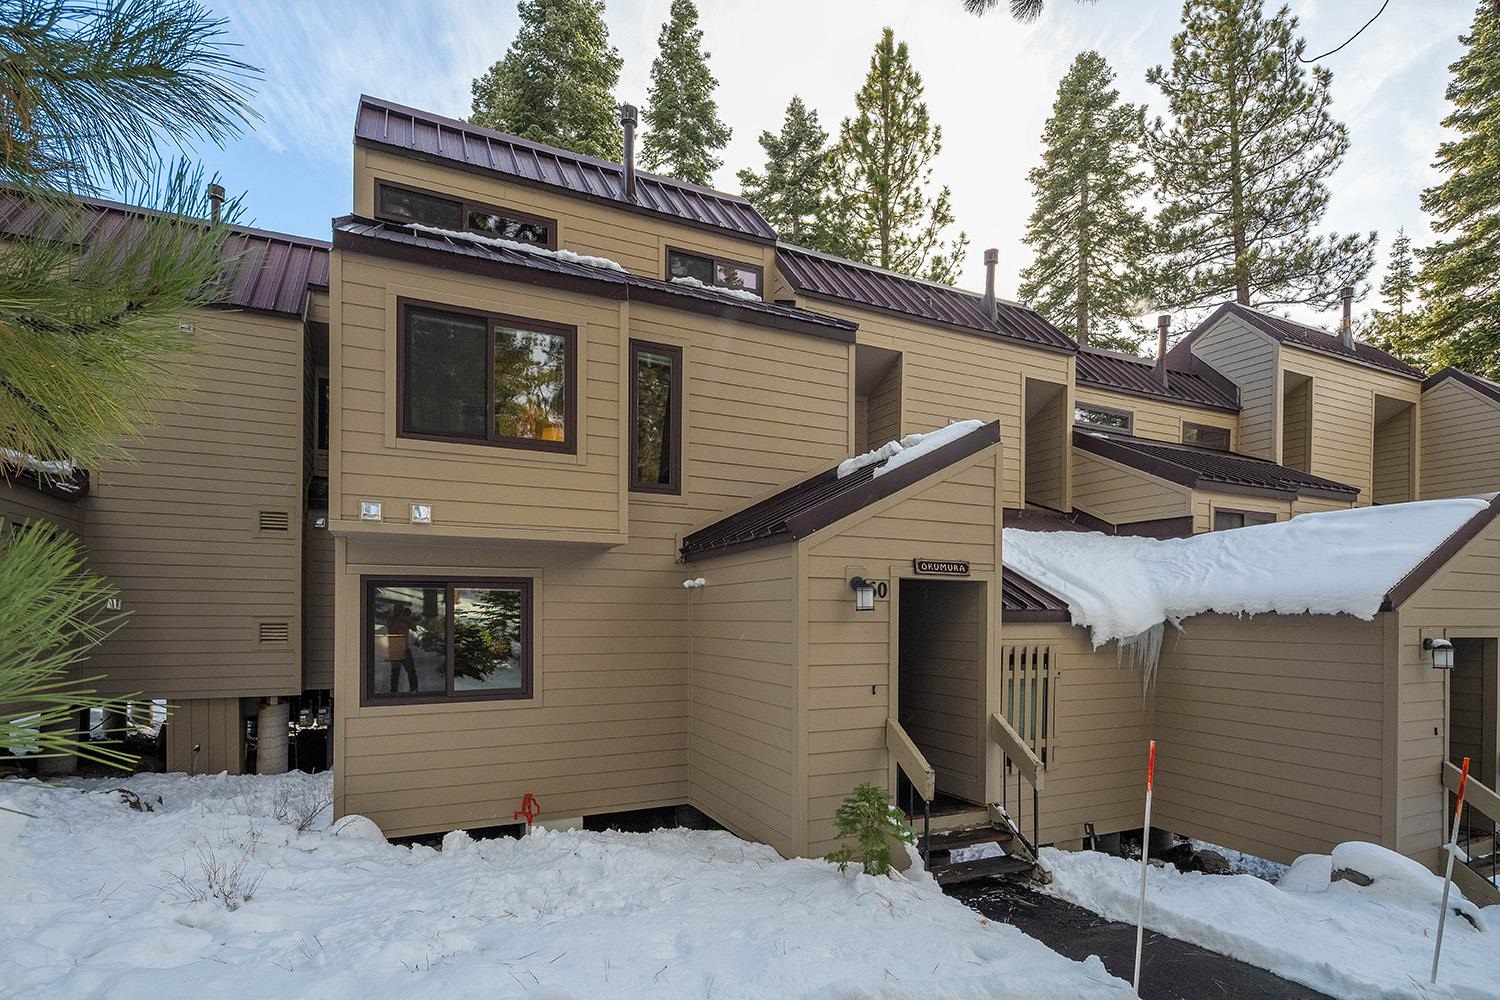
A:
[1242,165]
[1396,328]
[1462,322]
[794,191]
[868,816]
[556,83]
[1087,230]
[883,165]
[682,119]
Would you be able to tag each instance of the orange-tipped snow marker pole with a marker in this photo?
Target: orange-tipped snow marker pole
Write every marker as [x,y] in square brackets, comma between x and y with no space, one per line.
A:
[1437,948]
[1140,913]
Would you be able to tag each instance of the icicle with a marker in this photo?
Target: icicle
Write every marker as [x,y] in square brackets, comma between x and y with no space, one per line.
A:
[1144,650]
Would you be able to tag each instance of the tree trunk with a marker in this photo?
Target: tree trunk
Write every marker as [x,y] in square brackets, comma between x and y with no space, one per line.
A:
[1081,318]
[1237,226]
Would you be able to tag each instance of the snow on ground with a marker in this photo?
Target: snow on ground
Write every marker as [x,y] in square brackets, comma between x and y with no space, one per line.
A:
[91,906]
[1355,943]
[1241,863]
[1341,561]
[910,448]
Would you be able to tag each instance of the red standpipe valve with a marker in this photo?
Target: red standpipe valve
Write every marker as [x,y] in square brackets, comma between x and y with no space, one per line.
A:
[530,809]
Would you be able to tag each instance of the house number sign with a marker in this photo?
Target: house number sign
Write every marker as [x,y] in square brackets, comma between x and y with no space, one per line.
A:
[941,567]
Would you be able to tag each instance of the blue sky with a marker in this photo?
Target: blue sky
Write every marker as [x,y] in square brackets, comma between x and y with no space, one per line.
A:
[990,84]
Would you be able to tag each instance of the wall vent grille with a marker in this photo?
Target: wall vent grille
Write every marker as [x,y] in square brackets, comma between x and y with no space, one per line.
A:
[275,520]
[275,632]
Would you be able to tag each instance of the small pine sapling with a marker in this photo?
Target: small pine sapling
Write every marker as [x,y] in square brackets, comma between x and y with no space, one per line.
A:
[869,816]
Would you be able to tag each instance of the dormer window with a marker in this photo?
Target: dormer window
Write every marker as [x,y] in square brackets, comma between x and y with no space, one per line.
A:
[407,205]
[1106,417]
[713,272]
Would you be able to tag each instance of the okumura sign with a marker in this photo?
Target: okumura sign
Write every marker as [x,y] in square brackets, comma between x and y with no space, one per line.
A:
[940,567]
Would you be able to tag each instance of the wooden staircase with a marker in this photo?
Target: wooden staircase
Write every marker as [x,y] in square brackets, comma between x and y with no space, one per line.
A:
[972,829]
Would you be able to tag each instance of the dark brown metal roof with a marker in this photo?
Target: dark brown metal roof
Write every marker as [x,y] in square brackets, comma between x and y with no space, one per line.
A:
[545,268]
[1198,386]
[1483,386]
[1024,600]
[1438,557]
[471,147]
[1308,338]
[270,273]
[1206,468]
[825,276]
[823,499]
[73,486]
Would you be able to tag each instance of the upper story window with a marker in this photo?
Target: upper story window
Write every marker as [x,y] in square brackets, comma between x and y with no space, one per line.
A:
[655,418]
[1106,417]
[714,271]
[1205,436]
[399,204]
[430,640]
[485,378]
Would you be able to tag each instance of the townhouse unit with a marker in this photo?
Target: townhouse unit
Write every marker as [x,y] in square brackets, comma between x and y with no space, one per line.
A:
[540,474]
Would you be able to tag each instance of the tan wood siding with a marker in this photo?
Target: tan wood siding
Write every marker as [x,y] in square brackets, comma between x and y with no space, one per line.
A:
[941,658]
[178,531]
[1047,450]
[1391,478]
[1270,732]
[1121,495]
[743,761]
[635,240]
[1460,442]
[1248,359]
[1205,503]
[19,504]
[1158,419]
[211,724]
[852,657]
[317,606]
[885,409]
[1296,420]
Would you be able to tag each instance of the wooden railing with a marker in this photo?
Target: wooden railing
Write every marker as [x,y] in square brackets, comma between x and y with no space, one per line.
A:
[920,773]
[1016,749]
[1476,886]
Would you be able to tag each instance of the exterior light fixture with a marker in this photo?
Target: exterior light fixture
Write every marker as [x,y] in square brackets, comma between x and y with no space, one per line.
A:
[421,513]
[864,593]
[1442,653]
[369,510]
[321,521]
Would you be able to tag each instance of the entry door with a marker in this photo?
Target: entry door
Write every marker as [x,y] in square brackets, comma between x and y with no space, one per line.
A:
[941,669]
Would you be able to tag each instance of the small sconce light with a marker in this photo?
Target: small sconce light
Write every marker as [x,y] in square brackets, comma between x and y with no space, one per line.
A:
[1442,653]
[864,593]
[421,513]
[369,510]
[321,521]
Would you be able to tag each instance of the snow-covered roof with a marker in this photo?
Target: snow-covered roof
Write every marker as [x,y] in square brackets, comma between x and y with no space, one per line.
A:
[1336,562]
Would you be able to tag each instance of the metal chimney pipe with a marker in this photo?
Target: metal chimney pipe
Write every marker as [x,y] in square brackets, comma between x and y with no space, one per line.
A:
[1346,328]
[628,117]
[215,202]
[1162,322]
[991,308]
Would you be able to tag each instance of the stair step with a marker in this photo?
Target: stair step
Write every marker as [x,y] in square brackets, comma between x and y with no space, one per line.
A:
[965,871]
[947,840]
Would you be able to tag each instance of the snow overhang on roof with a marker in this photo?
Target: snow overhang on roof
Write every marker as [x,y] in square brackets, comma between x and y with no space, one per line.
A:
[1357,562]
[833,494]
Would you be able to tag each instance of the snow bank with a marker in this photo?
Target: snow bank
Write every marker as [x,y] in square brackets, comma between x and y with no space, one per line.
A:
[90,907]
[1342,561]
[910,448]
[495,241]
[1347,941]
[733,293]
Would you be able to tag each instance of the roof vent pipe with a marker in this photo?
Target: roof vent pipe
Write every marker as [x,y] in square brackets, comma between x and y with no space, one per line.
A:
[991,309]
[215,202]
[1346,328]
[628,117]
[1162,322]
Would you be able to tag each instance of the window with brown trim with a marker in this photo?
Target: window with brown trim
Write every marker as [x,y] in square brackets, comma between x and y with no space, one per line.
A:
[715,272]
[655,418]
[431,640]
[1107,417]
[1205,436]
[1224,520]
[485,378]
[394,203]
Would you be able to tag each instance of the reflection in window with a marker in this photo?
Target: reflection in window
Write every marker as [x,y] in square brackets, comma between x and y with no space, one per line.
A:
[446,390]
[401,205]
[1205,436]
[656,409]
[394,204]
[428,640]
[530,385]
[505,228]
[1226,519]
[713,271]
[1102,416]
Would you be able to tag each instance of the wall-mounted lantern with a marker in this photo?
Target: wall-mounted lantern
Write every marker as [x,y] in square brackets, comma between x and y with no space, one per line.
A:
[1441,651]
[864,593]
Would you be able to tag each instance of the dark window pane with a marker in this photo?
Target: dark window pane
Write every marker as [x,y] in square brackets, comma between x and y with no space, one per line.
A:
[445,377]
[744,278]
[686,265]
[1099,417]
[410,206]
[490,224]
[408,639]
[488,651]
[531,381]
[653,417]
[1225,519]
[323,414]
[1205,436]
